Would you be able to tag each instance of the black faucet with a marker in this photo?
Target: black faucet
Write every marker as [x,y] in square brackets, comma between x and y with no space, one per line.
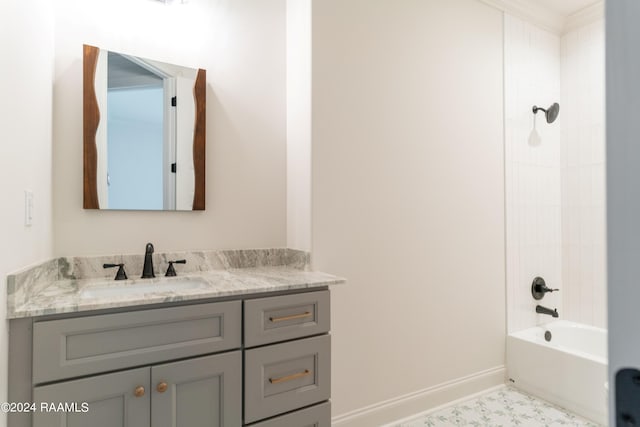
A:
[544,310]
[147,270]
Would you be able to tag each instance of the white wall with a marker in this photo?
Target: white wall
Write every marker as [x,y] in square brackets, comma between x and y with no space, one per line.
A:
[408,196]
[241,44]
[533,220]
[299,124]
[26,49]
[583,175]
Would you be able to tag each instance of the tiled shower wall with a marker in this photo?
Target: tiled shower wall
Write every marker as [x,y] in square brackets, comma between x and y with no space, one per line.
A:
[583,175]
[533,200]
[555,190]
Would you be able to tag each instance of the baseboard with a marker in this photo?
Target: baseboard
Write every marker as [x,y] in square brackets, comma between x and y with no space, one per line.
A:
[446,405]
[422,400]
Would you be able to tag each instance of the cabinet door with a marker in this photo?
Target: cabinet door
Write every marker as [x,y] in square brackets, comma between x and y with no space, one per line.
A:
[200,392]
[112,401]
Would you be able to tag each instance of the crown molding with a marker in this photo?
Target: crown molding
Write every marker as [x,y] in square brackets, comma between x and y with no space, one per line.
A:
[531,11]
[586,16]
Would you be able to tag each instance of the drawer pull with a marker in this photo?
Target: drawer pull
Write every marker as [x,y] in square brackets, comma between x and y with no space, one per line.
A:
[139,391]
[289,377]
[295,316]
[162,387]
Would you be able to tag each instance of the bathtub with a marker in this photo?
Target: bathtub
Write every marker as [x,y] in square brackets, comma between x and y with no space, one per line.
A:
[570,370]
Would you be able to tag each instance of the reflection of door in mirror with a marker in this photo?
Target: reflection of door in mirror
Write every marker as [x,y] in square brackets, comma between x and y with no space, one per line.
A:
[138,142]
[148,121]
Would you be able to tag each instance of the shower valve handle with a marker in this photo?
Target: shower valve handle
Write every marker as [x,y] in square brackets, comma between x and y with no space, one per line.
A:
[539,288]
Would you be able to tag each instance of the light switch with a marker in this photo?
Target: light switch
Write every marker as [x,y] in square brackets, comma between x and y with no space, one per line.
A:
[28,207]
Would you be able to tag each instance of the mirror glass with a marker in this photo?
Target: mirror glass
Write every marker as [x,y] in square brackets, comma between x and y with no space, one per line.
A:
[147,149]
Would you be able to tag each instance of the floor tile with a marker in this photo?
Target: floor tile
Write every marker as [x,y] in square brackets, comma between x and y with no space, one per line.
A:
[506,407]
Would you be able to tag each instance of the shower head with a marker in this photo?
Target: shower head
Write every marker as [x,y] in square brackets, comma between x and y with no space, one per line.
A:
[550,113]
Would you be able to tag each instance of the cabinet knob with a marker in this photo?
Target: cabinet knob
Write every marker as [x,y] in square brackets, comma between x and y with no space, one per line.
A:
[139,391]
[162,387]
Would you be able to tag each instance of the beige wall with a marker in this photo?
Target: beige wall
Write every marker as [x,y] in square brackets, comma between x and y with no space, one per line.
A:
[241,44]
[408,193]
[299,124]
[26,49]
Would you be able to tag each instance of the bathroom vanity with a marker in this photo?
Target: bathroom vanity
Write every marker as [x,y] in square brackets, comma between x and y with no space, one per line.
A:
[251,348]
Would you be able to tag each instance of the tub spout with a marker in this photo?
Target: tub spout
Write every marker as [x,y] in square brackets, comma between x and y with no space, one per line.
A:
[544,310]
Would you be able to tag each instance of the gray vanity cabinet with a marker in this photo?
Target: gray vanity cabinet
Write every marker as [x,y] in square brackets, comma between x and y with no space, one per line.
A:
[178,366]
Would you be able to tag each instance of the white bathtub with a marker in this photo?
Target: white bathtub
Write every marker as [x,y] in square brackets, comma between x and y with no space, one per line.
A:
[570,370]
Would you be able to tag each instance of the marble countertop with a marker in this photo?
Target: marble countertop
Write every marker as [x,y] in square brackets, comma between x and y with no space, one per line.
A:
[49,289]
[67,296]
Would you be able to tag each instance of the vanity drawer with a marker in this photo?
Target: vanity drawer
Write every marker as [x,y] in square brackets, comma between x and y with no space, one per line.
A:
[268,320]
[283,377]
[315,416]
[69,348]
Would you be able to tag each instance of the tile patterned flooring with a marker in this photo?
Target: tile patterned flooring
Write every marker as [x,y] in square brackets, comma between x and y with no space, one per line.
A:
[504,407]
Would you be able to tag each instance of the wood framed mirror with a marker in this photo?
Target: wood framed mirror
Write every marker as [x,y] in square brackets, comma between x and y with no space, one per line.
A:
[144,133]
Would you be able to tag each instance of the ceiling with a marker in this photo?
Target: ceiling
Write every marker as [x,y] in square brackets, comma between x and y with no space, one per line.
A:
[124,73]
[565,7]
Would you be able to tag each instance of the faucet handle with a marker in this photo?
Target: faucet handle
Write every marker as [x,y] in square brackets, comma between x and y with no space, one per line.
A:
[120,275]
[539,288]
[171,271]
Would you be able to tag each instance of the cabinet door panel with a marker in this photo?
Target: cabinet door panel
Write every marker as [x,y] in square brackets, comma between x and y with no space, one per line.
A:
[111,400]
[200,392]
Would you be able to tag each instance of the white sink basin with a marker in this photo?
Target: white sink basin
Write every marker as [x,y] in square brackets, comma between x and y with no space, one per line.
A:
[114,290]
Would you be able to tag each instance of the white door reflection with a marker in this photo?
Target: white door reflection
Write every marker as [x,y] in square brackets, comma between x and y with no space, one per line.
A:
[135,147]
